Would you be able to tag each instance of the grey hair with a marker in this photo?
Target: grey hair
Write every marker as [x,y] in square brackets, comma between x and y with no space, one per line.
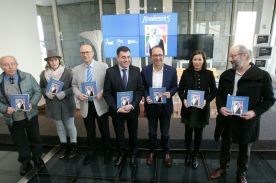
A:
[48,65]
[249,54]
[5,57]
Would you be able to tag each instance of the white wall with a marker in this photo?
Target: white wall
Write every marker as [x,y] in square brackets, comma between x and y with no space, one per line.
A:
[19,34]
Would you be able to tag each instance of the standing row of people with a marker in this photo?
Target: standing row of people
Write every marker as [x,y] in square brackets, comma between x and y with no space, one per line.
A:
[244,79]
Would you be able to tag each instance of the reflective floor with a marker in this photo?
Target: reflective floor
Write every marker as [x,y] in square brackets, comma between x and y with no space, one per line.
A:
[262,168]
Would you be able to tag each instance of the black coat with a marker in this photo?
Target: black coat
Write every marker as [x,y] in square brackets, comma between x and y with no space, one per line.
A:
[257,85]
[206,82]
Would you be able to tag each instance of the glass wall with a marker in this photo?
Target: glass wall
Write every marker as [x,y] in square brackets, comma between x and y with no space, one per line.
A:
[74,19]
[211,17]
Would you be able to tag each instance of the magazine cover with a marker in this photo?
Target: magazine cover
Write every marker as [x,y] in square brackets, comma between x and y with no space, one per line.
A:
[195,98]
[124,98]
[89,88]
[20,102]
[237,104]
[54,86]
[156,95]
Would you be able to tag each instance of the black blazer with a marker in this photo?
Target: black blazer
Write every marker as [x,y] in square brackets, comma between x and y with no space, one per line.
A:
[114,83]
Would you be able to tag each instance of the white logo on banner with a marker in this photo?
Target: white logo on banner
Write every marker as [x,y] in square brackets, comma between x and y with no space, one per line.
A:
[132,42]
[108,42]
[119,42]
[157,19]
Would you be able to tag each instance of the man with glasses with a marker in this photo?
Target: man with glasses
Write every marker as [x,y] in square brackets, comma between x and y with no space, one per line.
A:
[92,107]
[124,77]
[244,79]
[158,75]
[23,125]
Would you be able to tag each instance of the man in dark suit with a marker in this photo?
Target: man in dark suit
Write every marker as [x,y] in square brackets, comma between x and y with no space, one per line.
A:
[121,78]
[159,75]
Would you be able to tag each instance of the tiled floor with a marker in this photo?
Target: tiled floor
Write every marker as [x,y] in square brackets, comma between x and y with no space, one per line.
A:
[262,168]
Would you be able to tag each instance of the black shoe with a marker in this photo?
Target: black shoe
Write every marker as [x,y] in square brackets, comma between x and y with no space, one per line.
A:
[39,162]
[133,162]
[24,168]
[89,156]
[72,150]
[195,161]
[119,160]
[63,150]
[107,158]
[188,158]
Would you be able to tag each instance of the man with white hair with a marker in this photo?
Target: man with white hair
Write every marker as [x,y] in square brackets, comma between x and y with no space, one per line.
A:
[244,79]
[23,125]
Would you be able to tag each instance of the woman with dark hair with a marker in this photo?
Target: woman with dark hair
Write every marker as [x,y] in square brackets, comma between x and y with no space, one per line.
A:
[61,107]
[196,77]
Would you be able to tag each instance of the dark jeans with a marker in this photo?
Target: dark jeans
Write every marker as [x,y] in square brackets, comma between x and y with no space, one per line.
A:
[189,138]
[157,112]
[225,153]
[24,132]
[90,126]
[119,127]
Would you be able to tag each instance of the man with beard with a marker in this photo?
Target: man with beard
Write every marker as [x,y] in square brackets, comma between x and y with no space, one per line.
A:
[244,79]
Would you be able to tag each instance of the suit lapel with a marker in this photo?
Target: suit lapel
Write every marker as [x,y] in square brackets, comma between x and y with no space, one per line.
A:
[95,71]
[118,75]
[165,75]
[150,75]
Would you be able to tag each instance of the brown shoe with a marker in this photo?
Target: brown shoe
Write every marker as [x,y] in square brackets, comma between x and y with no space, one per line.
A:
[217,173]
[241,179]
[150,158]
[168,160]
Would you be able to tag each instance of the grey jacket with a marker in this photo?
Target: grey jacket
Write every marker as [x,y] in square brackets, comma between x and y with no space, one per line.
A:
[27,85]
[60,109]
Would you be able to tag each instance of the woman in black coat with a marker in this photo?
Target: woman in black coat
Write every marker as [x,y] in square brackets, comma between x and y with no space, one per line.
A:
[196,77]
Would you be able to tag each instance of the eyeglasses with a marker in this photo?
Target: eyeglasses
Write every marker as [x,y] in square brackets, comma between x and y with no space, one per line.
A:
[233,56]
[155,56]
[87,53]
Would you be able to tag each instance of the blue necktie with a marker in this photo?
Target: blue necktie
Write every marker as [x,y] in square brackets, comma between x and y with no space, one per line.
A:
[124,78]
[89,79]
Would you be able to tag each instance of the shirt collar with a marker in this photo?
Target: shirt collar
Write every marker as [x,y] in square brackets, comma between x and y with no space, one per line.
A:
[123,68]
[15,77]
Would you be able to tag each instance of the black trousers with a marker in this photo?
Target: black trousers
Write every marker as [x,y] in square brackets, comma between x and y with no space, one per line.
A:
[157,112]
[119,126]
[90,126]
[23,133]
[225,153]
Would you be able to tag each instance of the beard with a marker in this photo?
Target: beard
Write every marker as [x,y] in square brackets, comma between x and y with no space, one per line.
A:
[237,64]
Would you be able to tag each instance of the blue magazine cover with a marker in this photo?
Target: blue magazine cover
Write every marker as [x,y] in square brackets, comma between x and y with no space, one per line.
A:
[89,88]
[124,98]
[157,95]
[19,102]
[237,104]
[195,98]
[54,86]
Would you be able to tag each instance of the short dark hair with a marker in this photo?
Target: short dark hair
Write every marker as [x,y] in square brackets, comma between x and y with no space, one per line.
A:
[197,52]
[156,46]
[122,48]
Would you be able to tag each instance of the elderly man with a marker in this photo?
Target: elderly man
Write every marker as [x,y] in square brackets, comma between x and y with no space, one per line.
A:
[92,108]
[23,125]
[157,75]
[244,79]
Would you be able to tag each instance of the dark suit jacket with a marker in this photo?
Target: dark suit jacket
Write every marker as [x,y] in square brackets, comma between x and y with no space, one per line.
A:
[114,83]
[169,82]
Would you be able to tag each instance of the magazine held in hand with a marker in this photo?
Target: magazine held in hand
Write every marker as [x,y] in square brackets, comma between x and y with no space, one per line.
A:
[237,104]
[54,86]
[124,98]
[20,102]
[195,98]
[157,95]
[89,88]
